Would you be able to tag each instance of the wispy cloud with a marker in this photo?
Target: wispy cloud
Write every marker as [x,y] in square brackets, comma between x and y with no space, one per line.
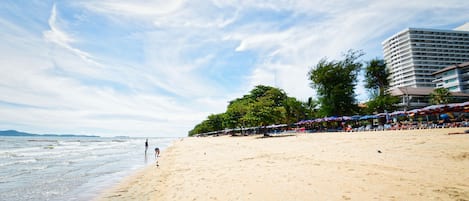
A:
[115,67]
[59,37]
[134,9]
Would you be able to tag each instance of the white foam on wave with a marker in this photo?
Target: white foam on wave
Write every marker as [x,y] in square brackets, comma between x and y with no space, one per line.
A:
[68,164]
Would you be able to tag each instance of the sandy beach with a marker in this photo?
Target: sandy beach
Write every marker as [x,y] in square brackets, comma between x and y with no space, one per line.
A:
[384,165]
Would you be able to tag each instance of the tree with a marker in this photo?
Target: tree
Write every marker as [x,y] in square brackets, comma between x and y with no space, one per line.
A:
[264,112]
[377,82]
[236,110]
[214,122]
[335,82]
[295,110]
[310,108]
[440,96]
[377,76]
[267,107]
[277,95]
[382,103]
[263,106]
[260,106]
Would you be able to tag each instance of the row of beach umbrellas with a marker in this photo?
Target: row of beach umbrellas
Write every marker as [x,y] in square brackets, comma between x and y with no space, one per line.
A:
[432,109]
[442,108]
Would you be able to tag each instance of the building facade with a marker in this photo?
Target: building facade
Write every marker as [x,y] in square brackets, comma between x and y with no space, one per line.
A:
[414,98]
[455,78]
[414,54]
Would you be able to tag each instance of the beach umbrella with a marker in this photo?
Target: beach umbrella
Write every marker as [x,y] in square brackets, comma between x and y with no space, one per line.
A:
[301,122]
[398,113]
[457,107]
[435,108]
[319,120]
[347,118]
[366,117]
[305,122]
[333,118]
[465,104]
[413,112]
[381,114]
[276,126]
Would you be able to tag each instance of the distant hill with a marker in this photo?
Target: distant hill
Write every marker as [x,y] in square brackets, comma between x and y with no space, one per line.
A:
[18,133]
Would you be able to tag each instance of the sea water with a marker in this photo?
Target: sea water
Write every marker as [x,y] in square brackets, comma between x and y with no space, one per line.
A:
[69,168]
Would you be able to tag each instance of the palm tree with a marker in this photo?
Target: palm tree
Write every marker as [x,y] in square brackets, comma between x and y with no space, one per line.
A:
[440,96]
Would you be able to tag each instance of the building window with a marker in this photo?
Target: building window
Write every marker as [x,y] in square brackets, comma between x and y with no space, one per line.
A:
[450,72]
[453,88]
[450,80]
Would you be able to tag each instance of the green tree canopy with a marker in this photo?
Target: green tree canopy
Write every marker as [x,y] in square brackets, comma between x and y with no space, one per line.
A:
[377,82]
[377,76]
[382,103]
[263,106]
[440,96]
[214,122]
[335,82]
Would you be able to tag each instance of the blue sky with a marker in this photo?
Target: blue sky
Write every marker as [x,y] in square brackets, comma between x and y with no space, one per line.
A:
[157,68]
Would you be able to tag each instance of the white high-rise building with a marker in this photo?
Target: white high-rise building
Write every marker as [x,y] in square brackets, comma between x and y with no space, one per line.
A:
[413,54]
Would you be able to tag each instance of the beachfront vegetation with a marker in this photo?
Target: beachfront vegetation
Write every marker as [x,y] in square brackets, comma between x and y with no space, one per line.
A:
[263,106]
[376,77]
[440,96]
[377,82]
[335,83]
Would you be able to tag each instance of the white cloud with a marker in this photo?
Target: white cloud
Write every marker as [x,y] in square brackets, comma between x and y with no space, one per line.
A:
[60,102]
[341,26]
[59,37]
[132,9]
[188,49]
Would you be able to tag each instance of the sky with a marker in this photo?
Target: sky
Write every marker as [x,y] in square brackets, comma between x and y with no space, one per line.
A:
[157,68]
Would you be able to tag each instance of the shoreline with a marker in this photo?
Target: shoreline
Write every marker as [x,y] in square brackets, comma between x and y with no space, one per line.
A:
[384,165]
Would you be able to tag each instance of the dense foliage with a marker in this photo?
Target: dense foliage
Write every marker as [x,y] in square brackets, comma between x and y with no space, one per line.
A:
[335,83]
[377,82]
[440,96]
[263,106]
[377,77]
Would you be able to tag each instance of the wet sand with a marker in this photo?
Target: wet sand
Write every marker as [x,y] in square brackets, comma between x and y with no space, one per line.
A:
[384,165]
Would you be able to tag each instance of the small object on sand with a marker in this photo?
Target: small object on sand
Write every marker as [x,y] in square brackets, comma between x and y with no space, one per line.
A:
[379,151]
[457,133]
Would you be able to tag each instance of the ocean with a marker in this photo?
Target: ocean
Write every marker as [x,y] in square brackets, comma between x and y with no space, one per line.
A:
[69,168]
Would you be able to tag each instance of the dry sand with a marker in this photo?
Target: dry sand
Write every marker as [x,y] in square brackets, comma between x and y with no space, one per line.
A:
[412,165]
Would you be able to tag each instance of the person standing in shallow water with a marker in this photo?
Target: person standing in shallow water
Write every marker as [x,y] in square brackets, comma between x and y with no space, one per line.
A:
[146,146]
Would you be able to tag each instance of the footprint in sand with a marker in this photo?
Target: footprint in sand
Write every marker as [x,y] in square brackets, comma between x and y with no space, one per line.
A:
[346,198]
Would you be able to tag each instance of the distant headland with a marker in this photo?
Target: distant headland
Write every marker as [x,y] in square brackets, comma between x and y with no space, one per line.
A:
[18,133]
